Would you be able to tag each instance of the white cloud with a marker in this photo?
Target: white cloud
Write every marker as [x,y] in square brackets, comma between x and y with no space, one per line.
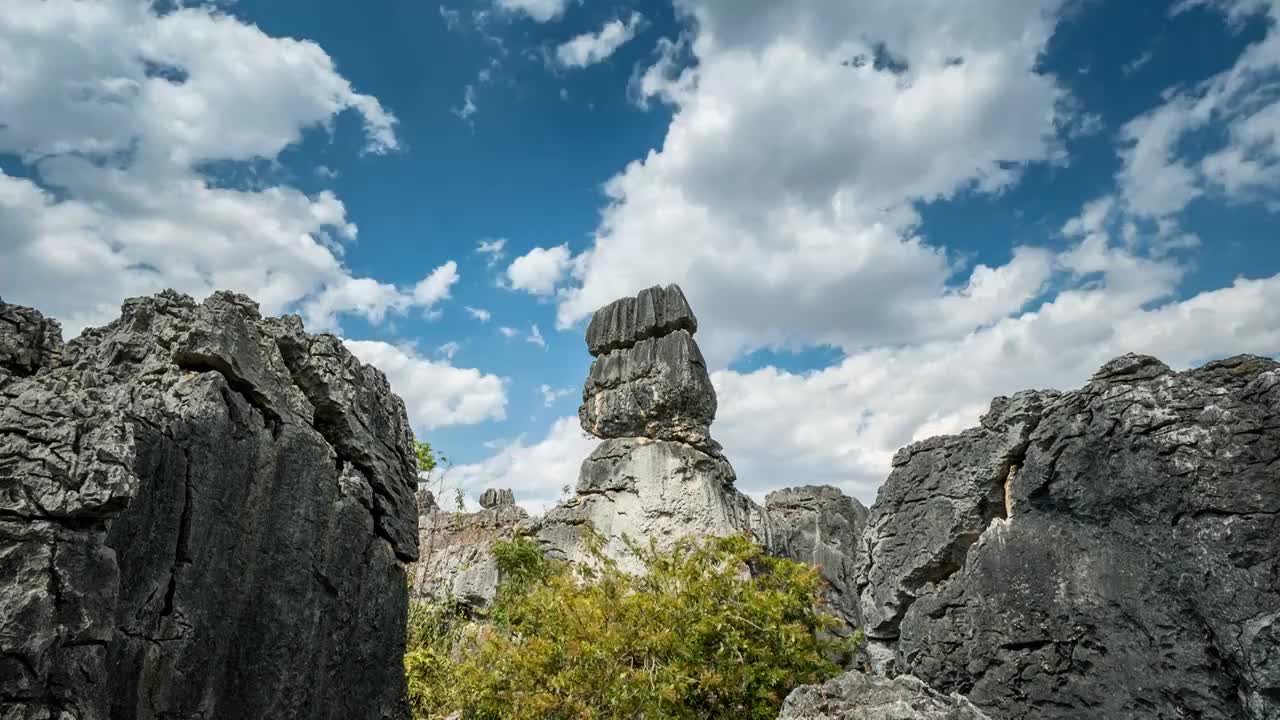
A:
[508,332]
[478,313]
[536,473]
[449,349]
[468,107]
[493,248]
[783,193]
[591,48]
[117,109]
[538,10]
[550,395]
[435,287]
[436,393]
[540,270]
[535,337]
[1161,176]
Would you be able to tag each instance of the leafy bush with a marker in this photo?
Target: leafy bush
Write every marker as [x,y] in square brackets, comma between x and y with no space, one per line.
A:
[695,636]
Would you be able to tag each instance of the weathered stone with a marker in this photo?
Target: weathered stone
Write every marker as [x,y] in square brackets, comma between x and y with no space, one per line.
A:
[28,341]
[858,696]
[493,497]
[821,526]
[641,489]
[203,513]
[1108,552]
[425,500]
[457,560]
[657,389]
[656,311]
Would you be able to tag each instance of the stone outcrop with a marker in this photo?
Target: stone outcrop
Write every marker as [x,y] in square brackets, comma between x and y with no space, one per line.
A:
[204,513]
[859,696]
[1108,552]
[821,526]
[658,474]
[457,561]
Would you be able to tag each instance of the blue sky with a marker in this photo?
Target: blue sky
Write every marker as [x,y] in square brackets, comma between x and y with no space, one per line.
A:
[884,213]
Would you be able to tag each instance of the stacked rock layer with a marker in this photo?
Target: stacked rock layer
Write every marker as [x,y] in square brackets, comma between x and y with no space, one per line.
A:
[658,474]
[204,513]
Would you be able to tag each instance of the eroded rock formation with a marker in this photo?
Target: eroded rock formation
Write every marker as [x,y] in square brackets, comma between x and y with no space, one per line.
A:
[658,474]
[859,696]
[1108,552]
[204,513]
[821,526]
[457,561]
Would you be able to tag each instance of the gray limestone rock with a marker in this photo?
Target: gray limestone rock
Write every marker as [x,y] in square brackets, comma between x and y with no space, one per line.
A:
[858,696]
[821,526]
[493,497]
[1107,552]
[641,488]
[28,341]
[457,562]
[653,312]
[203,513]
[658,388]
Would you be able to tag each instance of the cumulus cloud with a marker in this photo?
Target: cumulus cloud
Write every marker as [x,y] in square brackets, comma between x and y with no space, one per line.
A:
[508,332]
[537,473]
[537,10]
[783,194]
[494,249]
[478,313]
[550,395]
[594,47]
[535,337]
[540,270]
[118,109]
[436,394]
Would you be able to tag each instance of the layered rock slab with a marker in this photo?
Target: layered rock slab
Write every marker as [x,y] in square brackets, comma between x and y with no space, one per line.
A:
[203,513]
[1108,552]
[821,526]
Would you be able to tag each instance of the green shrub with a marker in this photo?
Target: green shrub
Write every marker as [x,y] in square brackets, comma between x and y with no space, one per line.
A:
[695,636]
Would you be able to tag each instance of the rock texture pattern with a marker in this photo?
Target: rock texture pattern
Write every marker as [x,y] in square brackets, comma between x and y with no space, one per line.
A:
[457,561]
[821,526]
[658,474]
[204,513]
[858,696]
[1109,552]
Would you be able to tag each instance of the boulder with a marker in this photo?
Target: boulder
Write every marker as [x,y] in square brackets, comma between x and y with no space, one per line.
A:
[1107,552]
[203,513]
[859,696]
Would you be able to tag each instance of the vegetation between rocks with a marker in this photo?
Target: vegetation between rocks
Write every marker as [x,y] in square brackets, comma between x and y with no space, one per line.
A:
[714,628]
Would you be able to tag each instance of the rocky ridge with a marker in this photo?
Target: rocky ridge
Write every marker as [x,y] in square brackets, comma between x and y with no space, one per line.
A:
[203,513]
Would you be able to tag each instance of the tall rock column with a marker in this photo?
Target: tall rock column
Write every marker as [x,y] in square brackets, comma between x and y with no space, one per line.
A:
[204,513]
[658,474]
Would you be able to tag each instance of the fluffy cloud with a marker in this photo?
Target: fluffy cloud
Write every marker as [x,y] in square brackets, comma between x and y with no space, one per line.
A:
[591,48]
[1161,176]
[550,395]
[537,472]
[783,194]
[119,110]
[540,270]
[538,10]
[436,393]
[478,313]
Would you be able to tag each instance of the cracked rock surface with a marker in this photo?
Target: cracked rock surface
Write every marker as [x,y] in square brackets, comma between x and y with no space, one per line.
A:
[457,561]
[821,526]
[859,696]
[1112,551]
[204,513]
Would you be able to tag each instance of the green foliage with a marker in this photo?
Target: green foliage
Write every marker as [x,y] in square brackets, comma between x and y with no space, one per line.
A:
[695,636]
[426,456]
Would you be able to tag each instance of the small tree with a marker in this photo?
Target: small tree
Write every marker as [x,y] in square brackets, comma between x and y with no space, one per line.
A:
[696,635]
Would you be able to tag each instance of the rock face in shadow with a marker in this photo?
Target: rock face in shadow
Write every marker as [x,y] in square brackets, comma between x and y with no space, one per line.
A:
[1108,552]
[204,513]
[859,696]
[821,526]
